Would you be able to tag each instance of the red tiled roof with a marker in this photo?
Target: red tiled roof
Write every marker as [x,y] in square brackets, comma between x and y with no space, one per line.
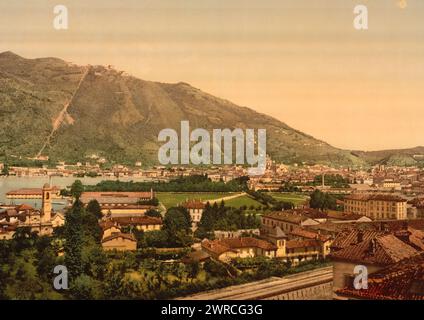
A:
[29,191]
[380,250]
[107,224]
[303,233]
[114,197]
[340,215]
[290,216]
[229,244]
[116,194]
[127,206]
[145,220]
[215,246]
[24,207]
[350,237]
[193,204]
[401,281]
[413,237]
[128,236]
[378,197]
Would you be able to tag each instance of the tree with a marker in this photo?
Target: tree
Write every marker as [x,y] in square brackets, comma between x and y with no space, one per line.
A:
[46,264]
[85,288]
[177,225]
[73,233]
[90,227]
[193,270]
[94,208]
[5,170]
[24,238]
[46,256]
[77,189]
[322,201]
[177,218]
[94,262]
[156,238]
[153,213]
[215,268]
[150,202]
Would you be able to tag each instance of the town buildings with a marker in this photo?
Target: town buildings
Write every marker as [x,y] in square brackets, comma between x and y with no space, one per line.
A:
[114,239]
[243,247]
[142,223]
[288,220]
[32,193]
[120,203]
[120,242]
[376,206]
[195,209]
[40,221]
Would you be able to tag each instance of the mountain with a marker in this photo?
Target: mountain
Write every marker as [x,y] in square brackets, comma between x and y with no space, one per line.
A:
[68,112]
[400,157]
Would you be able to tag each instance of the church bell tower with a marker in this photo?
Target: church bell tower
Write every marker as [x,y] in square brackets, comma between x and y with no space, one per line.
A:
[47,203]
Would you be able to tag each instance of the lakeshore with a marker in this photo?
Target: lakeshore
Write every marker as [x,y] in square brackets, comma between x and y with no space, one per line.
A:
[8,183]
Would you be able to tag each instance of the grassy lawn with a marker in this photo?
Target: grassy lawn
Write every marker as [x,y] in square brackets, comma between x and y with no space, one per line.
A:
[289,197]
[171,199]
[244,200]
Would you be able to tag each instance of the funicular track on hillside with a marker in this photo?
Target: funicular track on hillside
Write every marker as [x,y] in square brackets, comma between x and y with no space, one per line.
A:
[63,113]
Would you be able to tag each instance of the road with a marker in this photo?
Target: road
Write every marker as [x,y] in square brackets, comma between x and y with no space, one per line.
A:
[225,198]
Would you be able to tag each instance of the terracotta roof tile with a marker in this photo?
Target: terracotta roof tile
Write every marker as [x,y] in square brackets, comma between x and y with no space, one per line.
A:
[377,197]
[128,236]
[193,204]
[308,234]
[380,250]
[401,281]
[144,220]
[230,244]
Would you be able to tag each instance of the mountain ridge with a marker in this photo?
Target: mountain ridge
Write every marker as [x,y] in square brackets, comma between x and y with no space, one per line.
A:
[118,116]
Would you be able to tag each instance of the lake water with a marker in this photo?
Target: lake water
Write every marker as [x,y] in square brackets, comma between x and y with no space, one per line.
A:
[12,183]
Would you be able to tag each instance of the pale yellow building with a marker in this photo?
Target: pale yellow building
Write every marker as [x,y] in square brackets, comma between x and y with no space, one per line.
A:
[114,239]
[120,204]
[287,220]
[144,223]
[120,242]
[230,248]
[195,209]
[293,251]
[377,206]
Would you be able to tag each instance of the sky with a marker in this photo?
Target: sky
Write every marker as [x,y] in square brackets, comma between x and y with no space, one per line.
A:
[300,61]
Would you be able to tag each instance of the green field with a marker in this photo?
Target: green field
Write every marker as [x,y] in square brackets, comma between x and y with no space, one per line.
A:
[244,200]
[289,197]
[172,199]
